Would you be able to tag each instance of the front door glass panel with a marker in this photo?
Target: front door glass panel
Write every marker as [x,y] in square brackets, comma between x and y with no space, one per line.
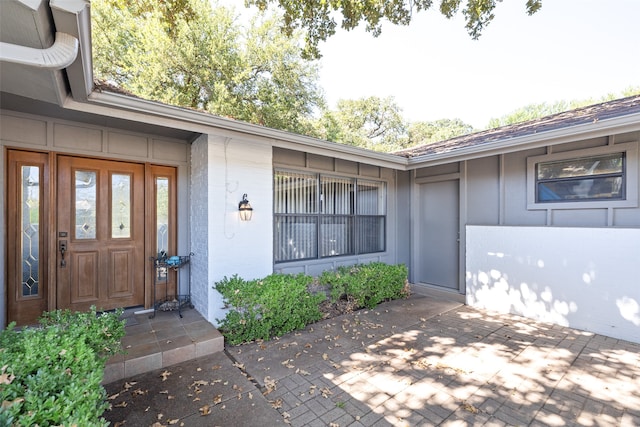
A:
[120,206]
[162,214]
[30,230]
[85,204]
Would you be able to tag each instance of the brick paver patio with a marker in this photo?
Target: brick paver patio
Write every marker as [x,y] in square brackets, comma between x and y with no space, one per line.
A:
[414,362]
[397,365]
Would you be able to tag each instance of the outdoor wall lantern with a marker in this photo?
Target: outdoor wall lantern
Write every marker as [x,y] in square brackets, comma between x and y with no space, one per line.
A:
[245,209]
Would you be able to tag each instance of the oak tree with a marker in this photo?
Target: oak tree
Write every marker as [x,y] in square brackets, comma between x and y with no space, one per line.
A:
[318,17]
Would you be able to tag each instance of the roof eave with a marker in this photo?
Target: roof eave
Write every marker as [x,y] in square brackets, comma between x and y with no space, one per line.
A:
[622,124]
[137,109]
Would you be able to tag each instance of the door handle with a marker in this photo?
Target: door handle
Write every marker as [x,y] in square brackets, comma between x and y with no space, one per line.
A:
[62,246]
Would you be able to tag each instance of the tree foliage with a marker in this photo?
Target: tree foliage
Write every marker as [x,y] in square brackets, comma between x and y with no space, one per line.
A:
[377,124]
[438,130]
[188,53]
[317,17]
[536,111]
[372,122]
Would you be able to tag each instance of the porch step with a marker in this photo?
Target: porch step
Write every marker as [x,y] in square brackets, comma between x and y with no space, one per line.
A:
[163,341]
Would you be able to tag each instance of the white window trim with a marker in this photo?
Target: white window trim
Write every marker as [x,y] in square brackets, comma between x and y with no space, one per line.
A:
[630,176]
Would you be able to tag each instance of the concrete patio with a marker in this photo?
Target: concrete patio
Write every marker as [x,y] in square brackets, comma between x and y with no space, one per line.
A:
[420,361]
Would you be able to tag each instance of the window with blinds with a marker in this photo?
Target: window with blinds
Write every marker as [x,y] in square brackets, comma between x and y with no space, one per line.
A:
[319,216]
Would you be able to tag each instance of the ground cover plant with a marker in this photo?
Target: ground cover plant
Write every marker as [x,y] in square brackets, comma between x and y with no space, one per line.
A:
[280,303]
[51,375]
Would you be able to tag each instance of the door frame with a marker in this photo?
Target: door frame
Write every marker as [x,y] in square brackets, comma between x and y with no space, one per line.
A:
[151,171]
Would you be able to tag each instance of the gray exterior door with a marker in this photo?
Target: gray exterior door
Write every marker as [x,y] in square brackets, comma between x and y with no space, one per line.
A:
[438,239]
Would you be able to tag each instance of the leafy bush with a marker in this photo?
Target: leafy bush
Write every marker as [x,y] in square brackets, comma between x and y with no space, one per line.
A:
[367,284]
[281,303]
[264,308]
[51,375]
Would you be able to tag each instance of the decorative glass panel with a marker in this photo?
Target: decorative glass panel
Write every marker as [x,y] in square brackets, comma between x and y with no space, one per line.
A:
[296,237]
[162,214]
[295,193]
[120,205]
[30,242]
[85,208]
[336,233]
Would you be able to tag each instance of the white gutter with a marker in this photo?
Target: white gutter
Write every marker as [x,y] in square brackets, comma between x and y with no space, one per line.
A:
[600,128]
[60,55]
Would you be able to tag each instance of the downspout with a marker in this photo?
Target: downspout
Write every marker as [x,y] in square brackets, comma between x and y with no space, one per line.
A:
[60,55]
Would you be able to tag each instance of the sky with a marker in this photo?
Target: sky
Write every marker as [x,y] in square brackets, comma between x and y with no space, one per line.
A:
[569,50]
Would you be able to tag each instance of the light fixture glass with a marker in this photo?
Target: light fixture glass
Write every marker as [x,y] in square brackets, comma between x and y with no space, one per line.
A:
[245,209]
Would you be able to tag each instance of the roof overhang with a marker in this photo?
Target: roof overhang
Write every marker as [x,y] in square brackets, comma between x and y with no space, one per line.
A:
[131,108]
[600,128]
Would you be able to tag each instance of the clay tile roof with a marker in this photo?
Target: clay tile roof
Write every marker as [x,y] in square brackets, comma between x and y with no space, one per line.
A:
[579,116]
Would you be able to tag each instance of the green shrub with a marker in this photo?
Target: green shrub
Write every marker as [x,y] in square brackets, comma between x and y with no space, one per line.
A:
[264,308]
[52,375]
[367,284]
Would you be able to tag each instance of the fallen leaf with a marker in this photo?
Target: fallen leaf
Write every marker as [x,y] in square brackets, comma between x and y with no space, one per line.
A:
[172,422]
[326,393]
[250,395]
[470,408]
[164,392]
[119,423]
[205,410]
[128,385]
[113,396]
[199,383]
[217,399]
[165,375]
[122,404]
[8,403]
[62,352]
[325,356]
[276,404]
[269,384]
[216,367]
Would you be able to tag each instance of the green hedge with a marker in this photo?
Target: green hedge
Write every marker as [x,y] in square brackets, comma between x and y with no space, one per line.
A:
[267,307]
[367,284]
[51,375]
[281,303]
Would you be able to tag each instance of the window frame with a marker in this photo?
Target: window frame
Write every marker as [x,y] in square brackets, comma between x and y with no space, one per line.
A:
[319,215]
[629,178]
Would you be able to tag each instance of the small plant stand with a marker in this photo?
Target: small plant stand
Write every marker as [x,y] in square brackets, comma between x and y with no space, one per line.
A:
[170,302]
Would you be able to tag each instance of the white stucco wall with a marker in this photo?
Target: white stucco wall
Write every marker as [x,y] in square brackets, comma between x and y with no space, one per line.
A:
[585,278]
[233,167]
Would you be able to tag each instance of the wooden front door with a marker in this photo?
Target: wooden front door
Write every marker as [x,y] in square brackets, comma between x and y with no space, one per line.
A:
[100,218]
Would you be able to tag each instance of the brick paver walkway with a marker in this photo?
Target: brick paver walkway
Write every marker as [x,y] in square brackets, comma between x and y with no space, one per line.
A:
[414,362]
[397,365]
